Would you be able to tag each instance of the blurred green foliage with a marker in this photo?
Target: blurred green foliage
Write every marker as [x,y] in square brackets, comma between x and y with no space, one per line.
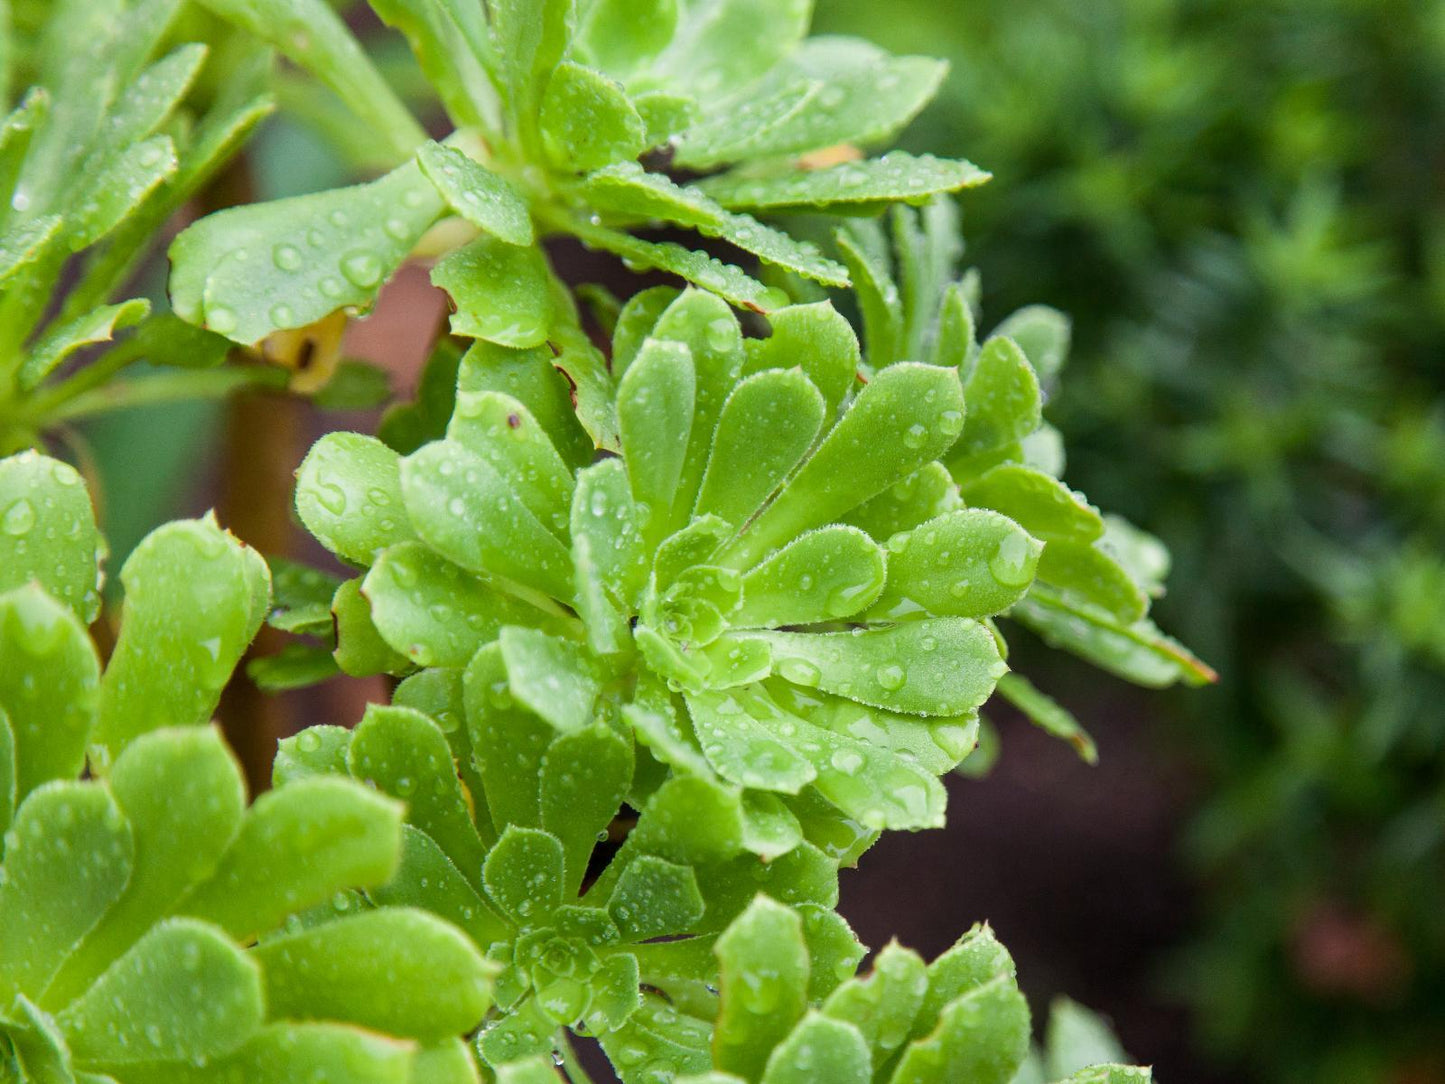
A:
[1240,203]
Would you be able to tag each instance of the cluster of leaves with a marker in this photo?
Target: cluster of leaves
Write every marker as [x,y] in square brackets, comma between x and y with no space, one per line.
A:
[94,158]
[554,103]
[1230,192]
[153,928]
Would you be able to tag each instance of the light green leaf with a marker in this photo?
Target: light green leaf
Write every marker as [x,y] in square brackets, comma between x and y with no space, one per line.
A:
[118,188]
[768,424]
[501,292]
[955,341]
[248,271]
[981,1036]
[183,795]
[49,897]
[635,322]
[195,597]
[895,176]
[655,409]
[348,494]
[1078,1039]
[824,575]
[183,993]
[1003,400]
[1089,575]
[360,648]
[830,91]
[402,753]
[8,778]
[970,563]
[49,687]
[882,1005]
[763,983]
[508,741]
[820,1048]
[1043,506]
[724,279]
[1111,1074]
[301,598]
[428,879]
[433,612]
[585,777]
[604,513]
[153,94]
[619,35]
[310,33]
[298,847]
[1043,334]
[627,189]
[316,751]
[553,677]
[936,666]
[928,492]
[655,898]
[394,970]
[725,44]
[24,243]
[769,827]
[742,750]
[468,513]
[317,1053]
[524,875]
[816,338]
[879,302]
[588,121]
[97,326]
[900,421]
[503,431]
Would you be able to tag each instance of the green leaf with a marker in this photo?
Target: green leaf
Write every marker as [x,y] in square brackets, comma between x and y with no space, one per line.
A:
[348,494]
[970,563]
[604,513]
[723,45]
[879,302]
[433,612]
[545,386]
[323,1053]
[301,598]
[153,94]
[625,188]
[360,648]
[981,1036]
[25,242]
[248,271]
[1043,506]
[1089,575]
[818,339]
[501,292]
[8,777]
[402,753]
[1043,334]
[528,39]
[767,426]
[923,495]
[894,176]
[428,879]
[316,751]
[195,597]
[724,279]
[935,666]
[955,342]
[1078,1039]
[585,776]
[484,199]
[1137,652]
[763,983]
[820,1048]
[655,408]
[118,188]
[882,1006]
[508,741]
[551,676]
[49,897]
[394,970]
[619,35]
[903,419]
[503,431]
[49,687]
[655,898]
[183,795]
[1003,400]
[588,121]
[829,91]
[310,33]
[824,575]
[524,875]
[182,993]
[1111,1074]
[743,751]
[298,847]
[48,533]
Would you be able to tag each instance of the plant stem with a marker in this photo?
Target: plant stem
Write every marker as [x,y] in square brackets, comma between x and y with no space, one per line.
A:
[169,388]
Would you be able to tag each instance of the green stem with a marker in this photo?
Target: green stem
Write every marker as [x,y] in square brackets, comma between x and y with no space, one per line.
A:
[98,372]
[170,388]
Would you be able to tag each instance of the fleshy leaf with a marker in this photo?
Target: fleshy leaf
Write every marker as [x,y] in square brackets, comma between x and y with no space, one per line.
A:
[1041,505]
[824,575]
[970,563]
[587,120]
[894,176]
[348,494]
[501,292]
[818,339]
[394,970]
[48,532]
[820,1048]
[763,981]
[524,874]
[480,196]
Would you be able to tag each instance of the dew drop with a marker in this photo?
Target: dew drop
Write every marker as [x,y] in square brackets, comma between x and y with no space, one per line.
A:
[18,519]
[891,677]
[286,257]
[361,268]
